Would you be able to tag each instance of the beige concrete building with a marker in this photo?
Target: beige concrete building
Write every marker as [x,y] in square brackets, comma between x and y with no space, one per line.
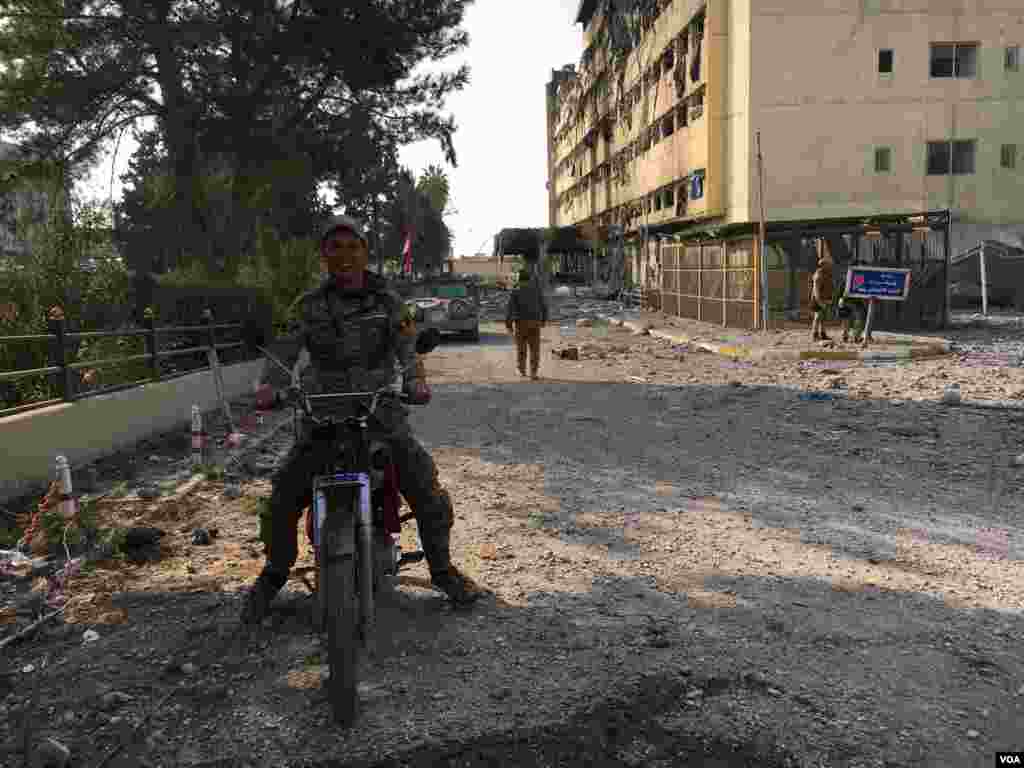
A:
[486,266]
[864,109]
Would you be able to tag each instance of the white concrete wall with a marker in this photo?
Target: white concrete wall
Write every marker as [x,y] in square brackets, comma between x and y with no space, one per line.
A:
[88,429]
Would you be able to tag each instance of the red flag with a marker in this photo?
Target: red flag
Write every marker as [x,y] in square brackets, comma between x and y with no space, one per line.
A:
[407,254]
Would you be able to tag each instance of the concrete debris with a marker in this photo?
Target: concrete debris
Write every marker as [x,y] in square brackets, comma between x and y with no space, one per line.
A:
[114,699]
[52,754]
[568,353]
[148,492]
[90,636]
[201,537]
[138,537]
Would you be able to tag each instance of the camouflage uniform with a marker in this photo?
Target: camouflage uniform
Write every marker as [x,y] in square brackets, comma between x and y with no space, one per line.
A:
[528,310]
[356,341]
[821,298]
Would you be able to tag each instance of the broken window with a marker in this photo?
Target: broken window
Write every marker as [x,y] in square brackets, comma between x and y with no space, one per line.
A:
[697,105]
[1012,59]
[681,200]
[1008,156]
[954,60]
[938,158]
[696,185]
[885,61]
[883,159]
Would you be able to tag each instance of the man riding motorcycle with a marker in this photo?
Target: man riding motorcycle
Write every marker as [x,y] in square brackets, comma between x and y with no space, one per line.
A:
[356,331]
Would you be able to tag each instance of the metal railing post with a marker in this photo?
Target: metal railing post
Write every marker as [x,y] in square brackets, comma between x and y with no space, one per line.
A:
[58,327]
[149,322]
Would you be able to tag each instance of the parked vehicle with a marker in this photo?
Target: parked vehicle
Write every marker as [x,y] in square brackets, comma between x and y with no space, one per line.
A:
[447,305]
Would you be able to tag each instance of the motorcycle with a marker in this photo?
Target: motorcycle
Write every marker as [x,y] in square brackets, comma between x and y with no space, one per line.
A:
[353,528]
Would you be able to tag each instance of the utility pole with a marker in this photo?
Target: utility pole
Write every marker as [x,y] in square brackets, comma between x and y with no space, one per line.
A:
[984,280]
[761,237]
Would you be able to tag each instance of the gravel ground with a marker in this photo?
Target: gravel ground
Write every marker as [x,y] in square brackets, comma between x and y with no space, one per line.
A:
[690,565]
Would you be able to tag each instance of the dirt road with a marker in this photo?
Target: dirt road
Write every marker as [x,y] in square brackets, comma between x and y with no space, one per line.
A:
[691,565]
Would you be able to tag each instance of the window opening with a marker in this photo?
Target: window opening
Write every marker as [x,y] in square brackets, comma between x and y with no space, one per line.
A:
[938,158]
[885,61]
[954,60]
[1008,156]
[1012,60]
[883,159]
[963,157]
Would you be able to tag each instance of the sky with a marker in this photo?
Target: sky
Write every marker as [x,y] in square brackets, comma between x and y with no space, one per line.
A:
[500,143]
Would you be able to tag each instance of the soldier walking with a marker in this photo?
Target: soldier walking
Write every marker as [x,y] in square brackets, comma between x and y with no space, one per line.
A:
[528,311]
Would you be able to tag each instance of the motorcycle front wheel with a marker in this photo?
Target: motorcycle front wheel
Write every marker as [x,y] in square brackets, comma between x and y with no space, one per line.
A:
[341,615]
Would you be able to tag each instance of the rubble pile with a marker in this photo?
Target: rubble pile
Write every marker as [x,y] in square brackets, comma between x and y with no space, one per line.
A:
[492,308]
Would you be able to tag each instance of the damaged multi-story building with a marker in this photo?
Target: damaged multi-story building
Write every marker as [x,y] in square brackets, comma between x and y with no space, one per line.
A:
[891,131]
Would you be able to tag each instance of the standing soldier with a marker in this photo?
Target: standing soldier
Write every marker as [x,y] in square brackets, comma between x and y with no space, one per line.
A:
[528,309]
[821,292]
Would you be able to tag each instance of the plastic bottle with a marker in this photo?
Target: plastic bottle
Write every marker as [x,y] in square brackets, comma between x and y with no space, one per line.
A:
[67,503]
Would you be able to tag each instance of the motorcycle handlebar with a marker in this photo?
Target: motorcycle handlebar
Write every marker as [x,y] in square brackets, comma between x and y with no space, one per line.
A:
[305,399]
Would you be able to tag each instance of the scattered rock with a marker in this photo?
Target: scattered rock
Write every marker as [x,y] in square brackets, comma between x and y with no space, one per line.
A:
[90,636]
[148,492]
[585,322]
[973,734]
[569,353]
[114,699]
[201,537]
[188,668]
[138,537]
[52,754]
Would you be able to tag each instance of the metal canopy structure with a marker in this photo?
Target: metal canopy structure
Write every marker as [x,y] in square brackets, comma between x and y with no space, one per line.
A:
[527,242]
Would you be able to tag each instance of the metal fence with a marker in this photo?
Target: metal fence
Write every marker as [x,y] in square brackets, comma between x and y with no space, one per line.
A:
[712,282]
[63,368]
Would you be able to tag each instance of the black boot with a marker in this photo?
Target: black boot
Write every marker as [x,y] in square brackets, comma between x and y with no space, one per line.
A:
[257,602]
[454,585]
[443,575]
